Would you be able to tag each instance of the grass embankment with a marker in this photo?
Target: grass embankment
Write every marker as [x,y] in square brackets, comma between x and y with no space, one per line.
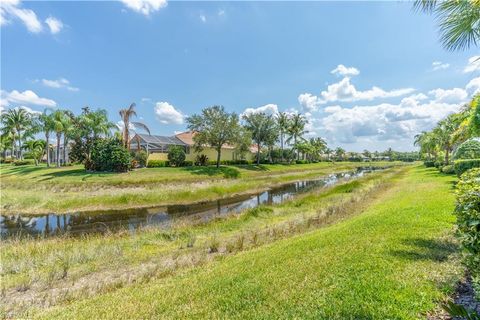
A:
[395,260]
[38,190]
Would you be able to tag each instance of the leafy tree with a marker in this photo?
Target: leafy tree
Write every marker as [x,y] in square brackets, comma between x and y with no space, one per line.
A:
[296,129]
[283,121]
[367,154]
[176,155]
[263,128]
[319,146]
[444,136]
[16,121]
[340,153]
[109,154]
[244,143]
[60,123]
[468,150]
[127,114]
[214,127]
[36,148]
[47,126]
[459,21]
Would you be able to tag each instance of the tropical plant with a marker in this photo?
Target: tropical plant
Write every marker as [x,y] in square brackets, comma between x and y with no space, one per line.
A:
[214,127]
[60,123]
[459,21]
[109,154]
[15,122]
[36,149]
[47,126]
[263,128]
[176,155]
[340,153]
[468,150]
[126,115]
[283,121]
[296,130]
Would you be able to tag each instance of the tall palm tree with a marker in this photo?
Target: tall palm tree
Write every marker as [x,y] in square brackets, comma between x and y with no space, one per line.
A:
[459,21]
[68,129]
[283,121]
[16,121]
[47,126]
[340,153]
[296,129]
[60,120]
[126,115]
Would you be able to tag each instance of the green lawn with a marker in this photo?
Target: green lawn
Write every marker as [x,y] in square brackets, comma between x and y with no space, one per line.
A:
[396,260]
[36,190]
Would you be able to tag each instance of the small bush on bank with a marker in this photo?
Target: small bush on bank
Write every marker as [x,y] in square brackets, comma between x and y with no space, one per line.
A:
[463,165]
[141,158]
[301,161]
[438,164]
[468,222]
[6,160]
[448,169]
[201,160]
[429,163]
[468,150]
[23,162]
[187,163]
[176,156]
[157,163]
[109,155]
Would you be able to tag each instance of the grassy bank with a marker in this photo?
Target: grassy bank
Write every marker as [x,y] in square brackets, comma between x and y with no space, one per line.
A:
[378,264]
[36,190]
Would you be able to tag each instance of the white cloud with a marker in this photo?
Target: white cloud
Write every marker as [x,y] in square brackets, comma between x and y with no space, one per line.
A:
[269,109]
[345,91]
[308,101]
[54,24]
[26,97]
[120,125]
[345,71]
[58,84]
[203,18]
[167,114]
[473,64]
[438,65]
[145,7]
[29,110]
[455,95]
[474,86]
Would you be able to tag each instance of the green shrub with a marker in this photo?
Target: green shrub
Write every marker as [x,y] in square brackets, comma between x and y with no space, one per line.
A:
[157,163]
[449,169]
[23,162]
[201,160]
[438,164]
[187,163]
[468,221]
[468,150]
[463,165]
[141,158]
[429,163]
[6,160]
[109,155]
[301,161]
[176,156]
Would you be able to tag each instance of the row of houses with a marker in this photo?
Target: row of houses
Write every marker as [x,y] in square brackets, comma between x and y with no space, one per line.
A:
[157,147]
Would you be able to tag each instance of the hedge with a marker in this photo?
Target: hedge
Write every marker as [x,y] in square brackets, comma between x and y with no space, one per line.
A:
[157,163]
[468,221]
[23,162]
[463,165]
[449,169]
[429,163]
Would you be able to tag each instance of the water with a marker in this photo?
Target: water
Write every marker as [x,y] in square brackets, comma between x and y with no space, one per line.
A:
[132,219]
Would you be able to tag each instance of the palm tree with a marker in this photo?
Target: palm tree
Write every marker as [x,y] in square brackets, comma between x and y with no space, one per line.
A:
[47,126]
[319,146]
[459,21]
[126,115]
[60,122]
[263,129]
[68,129]
[36,149]
[340,153]
[296,129]
[16,121]
[283,121]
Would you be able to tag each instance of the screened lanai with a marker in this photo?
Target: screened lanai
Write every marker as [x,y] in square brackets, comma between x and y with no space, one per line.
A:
[155,144]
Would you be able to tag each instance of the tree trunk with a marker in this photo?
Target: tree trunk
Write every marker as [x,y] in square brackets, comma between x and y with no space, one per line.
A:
[47,149]
[65,141]
[59,136]
[258,153]
[281,143]
[19,147]
[295,142]
[219,150]
[446,156]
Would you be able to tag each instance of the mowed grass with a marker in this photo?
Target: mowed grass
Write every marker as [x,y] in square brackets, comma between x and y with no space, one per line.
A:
[38,190]
[396,260]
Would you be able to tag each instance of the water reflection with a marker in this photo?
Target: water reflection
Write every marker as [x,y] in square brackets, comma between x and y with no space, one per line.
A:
[132,219]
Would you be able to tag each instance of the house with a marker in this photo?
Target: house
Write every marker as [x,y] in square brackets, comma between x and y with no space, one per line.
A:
[157,147]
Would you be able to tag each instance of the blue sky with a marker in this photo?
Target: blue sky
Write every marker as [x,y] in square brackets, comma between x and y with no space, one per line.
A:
[366,74]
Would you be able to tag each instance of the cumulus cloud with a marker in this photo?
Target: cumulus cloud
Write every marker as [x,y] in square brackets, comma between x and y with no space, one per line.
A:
[54,25]
[346,92]
[60,83]
[145,7]
[345,71]
[269,109]
[27,97]
[474,86]
[12,10]
[120,125]
[167,114]
[438,65]
[308,101]
[473,64]
[455,95]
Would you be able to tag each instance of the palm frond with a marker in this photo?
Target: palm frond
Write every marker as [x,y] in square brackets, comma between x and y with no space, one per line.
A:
[141,125]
